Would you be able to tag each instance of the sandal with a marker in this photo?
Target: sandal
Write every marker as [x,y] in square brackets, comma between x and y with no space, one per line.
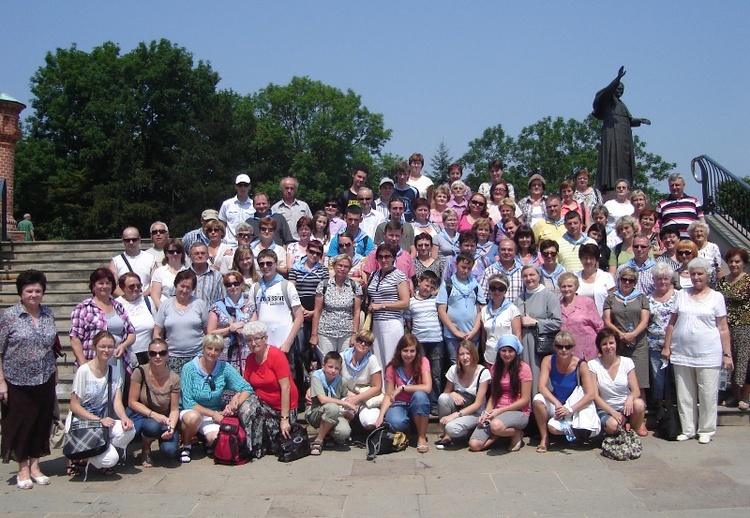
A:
[185,454]
[316,448]
[642,431]
[423,448]
[107,472]
[744,405]
[146,461]
[542,448]
[73,469]
[516,446]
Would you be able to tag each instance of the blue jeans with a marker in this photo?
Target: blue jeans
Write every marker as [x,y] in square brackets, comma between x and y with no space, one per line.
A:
[400,412]
[435,351]
[659,379]
[150,429]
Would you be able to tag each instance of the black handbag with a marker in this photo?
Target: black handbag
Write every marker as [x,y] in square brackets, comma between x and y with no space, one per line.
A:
[88,438]
[296,447]
[668,425]
[544,343]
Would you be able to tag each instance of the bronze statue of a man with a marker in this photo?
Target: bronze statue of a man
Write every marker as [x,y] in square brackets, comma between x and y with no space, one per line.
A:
[616,153]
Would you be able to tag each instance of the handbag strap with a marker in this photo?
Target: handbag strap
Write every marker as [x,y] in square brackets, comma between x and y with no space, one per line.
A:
[148,390]
[110,404]
[578,373]
[127,263]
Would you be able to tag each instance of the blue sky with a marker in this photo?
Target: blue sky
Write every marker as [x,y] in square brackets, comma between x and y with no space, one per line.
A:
[444,71]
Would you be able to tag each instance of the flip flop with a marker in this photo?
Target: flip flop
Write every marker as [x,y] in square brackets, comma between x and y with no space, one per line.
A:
[423,448]
[146,461]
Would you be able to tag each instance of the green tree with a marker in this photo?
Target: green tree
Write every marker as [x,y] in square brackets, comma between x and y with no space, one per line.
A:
[313,132]
[493,144]
[124,139]
[439,164]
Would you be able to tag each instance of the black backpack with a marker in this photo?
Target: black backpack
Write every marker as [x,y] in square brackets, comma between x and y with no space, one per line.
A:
[384,439]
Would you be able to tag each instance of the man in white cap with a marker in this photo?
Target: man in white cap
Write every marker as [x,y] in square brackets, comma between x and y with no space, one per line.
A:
[236,209]
[386,191]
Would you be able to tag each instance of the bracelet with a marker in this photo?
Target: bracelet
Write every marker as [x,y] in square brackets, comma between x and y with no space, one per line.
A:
[727,355]
[285,418]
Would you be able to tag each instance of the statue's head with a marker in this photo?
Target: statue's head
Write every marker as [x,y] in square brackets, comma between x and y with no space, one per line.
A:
[619,90]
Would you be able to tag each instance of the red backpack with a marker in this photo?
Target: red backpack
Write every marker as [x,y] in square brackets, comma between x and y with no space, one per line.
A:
[231,447]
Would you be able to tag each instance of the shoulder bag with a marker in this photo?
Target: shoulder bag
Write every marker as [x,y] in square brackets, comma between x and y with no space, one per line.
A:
[624,445]
[88,438]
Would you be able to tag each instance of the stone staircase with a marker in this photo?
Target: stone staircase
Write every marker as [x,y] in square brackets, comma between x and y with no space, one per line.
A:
[67,265]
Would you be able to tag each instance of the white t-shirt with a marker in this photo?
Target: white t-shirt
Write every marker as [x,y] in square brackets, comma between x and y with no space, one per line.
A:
[618,210]
[142,320]
[277,249]
[421,184]
[613,391]
[92,391]
[597,290]
[142,265]
[165,276]
[362,377]
[696,341]
[482,373]
[274,312]
[233,212]
[495,328]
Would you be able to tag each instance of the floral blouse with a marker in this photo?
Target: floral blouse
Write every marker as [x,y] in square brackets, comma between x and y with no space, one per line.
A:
[737,297]
[25,348]
[661,312]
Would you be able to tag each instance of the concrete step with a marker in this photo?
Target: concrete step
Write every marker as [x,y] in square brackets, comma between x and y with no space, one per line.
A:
[75,284]
[73,246]
[50,296]
[48,262]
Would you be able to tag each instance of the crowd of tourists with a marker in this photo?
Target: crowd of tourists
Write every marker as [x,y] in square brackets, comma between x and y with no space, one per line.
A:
[426,300]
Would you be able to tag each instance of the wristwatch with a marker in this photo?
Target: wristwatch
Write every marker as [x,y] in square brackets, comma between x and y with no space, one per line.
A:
[460,414]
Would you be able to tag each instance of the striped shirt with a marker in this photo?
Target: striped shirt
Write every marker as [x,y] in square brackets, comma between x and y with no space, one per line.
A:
[514,279]
[681,212]
[383,289]
[425,324]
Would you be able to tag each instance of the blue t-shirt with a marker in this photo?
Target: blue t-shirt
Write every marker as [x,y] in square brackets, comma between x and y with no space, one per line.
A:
[461,304]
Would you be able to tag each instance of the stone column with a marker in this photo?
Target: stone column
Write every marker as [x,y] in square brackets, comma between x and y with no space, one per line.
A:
[10,133]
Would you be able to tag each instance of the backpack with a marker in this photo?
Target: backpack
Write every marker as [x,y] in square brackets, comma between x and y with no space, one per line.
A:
[284,286]
[231,446]
[384,439]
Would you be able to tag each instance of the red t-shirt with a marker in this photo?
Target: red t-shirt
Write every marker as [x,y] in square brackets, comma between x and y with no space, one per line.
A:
[265,377]
[507,398]
[392,375]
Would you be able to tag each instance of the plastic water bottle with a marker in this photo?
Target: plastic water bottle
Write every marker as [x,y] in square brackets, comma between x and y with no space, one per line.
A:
[568,429]
[724,379]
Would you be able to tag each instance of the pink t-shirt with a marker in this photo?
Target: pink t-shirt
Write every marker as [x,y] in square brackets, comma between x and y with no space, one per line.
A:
[507,398]
[392,375]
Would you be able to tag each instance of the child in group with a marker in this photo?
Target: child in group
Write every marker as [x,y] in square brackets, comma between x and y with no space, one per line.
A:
[408,380]
[423,322]
[460,301]
[329,411]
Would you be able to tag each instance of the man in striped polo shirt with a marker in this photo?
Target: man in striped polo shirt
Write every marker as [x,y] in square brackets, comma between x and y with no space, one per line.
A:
[678,208]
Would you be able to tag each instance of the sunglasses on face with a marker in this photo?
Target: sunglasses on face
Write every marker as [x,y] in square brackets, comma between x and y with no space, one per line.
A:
[363,342]
[154,354]
[365,199]
[158,231]
[243,185]
[381,256]
[265,263]
[684,252]
[134,286]
[500,288]
[232,284]
[627,280]
[640,247]
[212,230]
[566,347]
[172,252]
[345,245]
[332,206]
[130,239]
[244,235]
[479,203]
[549,254]
[314,252]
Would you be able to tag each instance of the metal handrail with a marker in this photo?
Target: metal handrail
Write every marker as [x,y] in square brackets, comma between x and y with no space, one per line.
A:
[724,194]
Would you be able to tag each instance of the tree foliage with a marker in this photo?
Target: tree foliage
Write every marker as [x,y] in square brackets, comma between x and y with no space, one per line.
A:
[554,148]
[314,132]
[439,164]
[125,139]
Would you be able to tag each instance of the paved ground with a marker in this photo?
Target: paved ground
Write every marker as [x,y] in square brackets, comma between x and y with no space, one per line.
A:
[671,479]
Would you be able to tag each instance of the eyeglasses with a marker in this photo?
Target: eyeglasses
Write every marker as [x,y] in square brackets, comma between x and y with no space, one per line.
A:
[382,256]
[134,286]
[172,251]
[130,239]
[267,229]
[265,263]
[243,184]
[566,347]
[253,339]
[684,252]
[364,342]
[244,235]
[550,254]
[212,230]
[154,354]
[314,252]
[158,231]
[640,247]
[629,280]
[500,288]
[232,284]
[622,187]
[345,245]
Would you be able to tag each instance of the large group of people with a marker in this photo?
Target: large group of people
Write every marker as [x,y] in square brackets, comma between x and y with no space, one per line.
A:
[471,307]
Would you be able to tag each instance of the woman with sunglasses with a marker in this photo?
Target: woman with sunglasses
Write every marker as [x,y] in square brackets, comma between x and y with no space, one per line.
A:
[348,248]
[363,375]
[162,281]
[244,263]
[627,312]
[298,249]
[499,317]
[203,382]
[227,317]
[685,252]
[477,208]
[141,315]
[218,251]
[338,300]
[154,403]
[332,212]
[558,377]
[617,395]
[551,269]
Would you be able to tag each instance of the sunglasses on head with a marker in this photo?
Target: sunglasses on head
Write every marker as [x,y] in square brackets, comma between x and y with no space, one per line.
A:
[158,231]
[566,347]
[154,354]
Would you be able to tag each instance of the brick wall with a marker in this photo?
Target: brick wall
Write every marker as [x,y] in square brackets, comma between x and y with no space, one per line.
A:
[9,135]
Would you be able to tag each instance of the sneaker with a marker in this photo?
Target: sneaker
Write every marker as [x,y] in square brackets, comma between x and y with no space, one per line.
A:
[434,412]
[704,439]
[683,437]
[185,455]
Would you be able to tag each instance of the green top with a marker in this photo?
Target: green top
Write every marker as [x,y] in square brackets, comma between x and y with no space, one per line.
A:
[26,226]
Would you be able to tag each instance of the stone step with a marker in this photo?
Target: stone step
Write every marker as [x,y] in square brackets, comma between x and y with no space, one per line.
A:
[72,246]
[49,262]
[50,296]
[17,256]
[75,284]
